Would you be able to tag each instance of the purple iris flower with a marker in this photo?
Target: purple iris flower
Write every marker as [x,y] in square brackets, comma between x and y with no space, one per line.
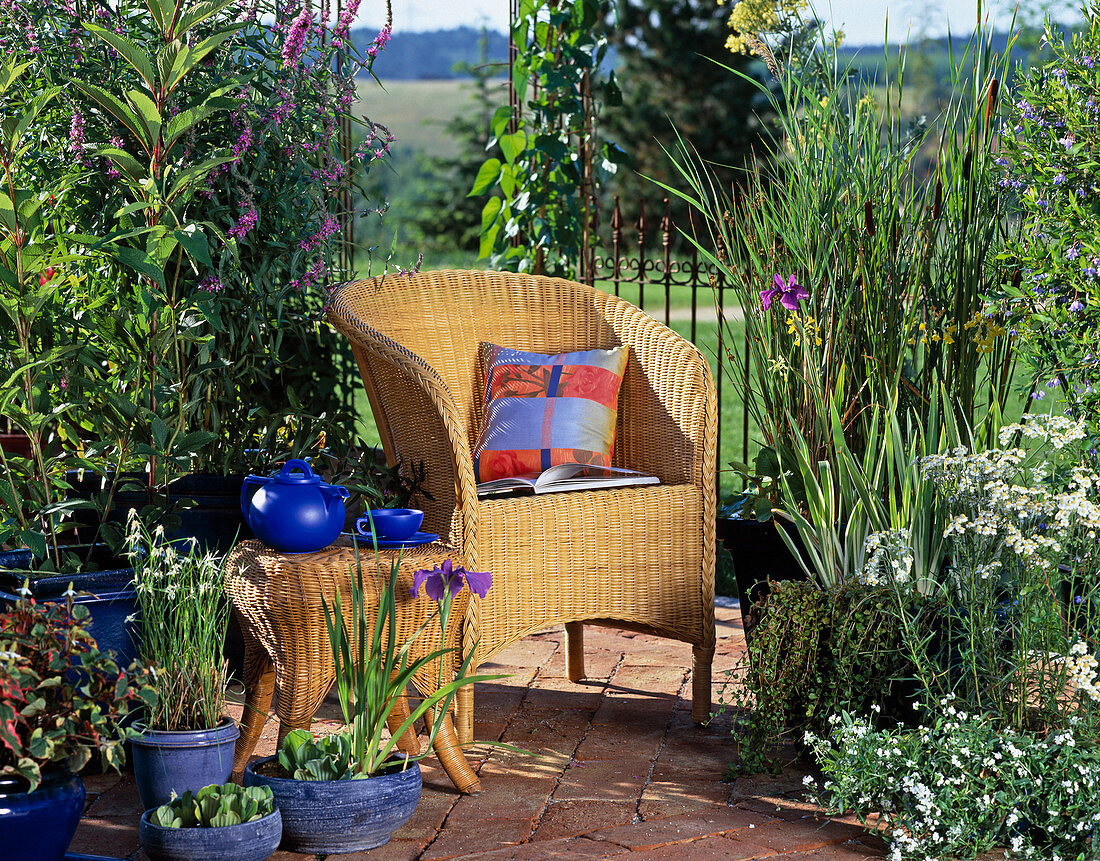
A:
[448,576]
[789,294]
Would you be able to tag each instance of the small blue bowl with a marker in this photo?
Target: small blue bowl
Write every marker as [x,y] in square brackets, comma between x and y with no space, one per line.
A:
[392,524]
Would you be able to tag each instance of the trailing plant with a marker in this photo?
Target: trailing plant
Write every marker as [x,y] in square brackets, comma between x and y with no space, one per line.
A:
[373,670]
[540,190]
[183,614]
[215,806]
[813,653]
[962,784]
[51,716]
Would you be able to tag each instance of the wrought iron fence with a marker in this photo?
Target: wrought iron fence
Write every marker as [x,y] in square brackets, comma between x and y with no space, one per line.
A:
[647,256]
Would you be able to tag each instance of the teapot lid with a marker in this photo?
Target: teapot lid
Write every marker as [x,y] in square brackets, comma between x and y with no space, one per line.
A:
[288,476]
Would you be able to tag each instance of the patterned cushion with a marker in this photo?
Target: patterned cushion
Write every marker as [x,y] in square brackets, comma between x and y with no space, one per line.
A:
[544,410]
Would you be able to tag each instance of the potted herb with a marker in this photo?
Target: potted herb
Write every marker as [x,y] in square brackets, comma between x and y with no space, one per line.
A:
[351,791]
[186,741]
[220,822]
[53,718]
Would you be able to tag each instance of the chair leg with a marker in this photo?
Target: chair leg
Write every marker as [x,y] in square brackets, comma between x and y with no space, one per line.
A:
[464,713]
[259,685]
[449,751]
[701,659]
[574,651]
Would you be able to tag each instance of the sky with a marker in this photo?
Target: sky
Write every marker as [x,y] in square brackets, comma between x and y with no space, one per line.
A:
[863,22]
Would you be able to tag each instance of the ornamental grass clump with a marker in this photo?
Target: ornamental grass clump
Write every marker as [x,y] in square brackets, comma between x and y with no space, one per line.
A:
[183,614]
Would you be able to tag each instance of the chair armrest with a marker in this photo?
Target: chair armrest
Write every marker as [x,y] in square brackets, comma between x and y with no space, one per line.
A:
[669,419]
[418,421]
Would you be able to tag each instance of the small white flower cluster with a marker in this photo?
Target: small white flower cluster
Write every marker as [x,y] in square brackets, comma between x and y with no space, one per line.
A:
[1083,670]
[962,785]
[1056,431]
[889,558]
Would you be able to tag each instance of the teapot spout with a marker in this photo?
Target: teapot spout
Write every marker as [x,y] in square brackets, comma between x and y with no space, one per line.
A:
[333,493]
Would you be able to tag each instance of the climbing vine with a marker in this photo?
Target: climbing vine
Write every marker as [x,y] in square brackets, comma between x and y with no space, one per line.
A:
[540,189]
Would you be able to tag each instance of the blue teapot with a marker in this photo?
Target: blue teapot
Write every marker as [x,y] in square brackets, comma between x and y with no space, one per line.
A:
[294,512]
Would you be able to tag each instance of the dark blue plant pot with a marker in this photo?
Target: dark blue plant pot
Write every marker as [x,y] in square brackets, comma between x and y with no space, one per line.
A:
[177,761]
[326,816]
[248,841]
[38,826]
[111,600]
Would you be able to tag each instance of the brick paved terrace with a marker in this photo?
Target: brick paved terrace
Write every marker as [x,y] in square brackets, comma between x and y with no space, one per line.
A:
[619,770]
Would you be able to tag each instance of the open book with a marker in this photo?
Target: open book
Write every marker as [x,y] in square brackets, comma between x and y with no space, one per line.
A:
[567,476]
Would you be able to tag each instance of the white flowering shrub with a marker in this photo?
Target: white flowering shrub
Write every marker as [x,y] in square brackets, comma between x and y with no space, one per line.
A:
[963,784]
[1015,612]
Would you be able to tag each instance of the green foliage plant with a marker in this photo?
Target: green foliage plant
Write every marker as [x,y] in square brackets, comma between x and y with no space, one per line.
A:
[33,250]
[216,806]
[50,716]
[1048,156]
[540,193]
[183,614]
[373,671]
[814,653]
[962,784]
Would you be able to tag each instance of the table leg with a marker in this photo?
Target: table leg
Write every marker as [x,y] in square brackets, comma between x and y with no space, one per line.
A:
[259,684]
[408,743]
[449,751]
[464,712]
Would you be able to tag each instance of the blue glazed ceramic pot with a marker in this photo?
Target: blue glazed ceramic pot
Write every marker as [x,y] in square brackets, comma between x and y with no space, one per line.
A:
[327,816]
[247,841]
[167,761]
[38,826]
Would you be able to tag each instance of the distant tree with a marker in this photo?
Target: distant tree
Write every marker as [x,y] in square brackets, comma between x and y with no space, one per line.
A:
[669,78]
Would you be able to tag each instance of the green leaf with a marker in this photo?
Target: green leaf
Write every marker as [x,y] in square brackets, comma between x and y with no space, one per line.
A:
[139,261]
[512,145]
[194,243]
[7,213]
[187,58]
[130,52]
[487,175]
[500,121]
[147,112]
[185,178]
[128,165]
[199,12]
[122,113]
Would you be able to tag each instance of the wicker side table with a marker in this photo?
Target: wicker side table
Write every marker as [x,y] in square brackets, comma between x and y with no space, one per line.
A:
[278,599]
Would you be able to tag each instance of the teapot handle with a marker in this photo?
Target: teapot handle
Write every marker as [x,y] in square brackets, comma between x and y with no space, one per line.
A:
[295,463]
[245,496]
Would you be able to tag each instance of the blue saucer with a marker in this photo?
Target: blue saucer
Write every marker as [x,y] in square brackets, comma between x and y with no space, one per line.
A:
[414,540]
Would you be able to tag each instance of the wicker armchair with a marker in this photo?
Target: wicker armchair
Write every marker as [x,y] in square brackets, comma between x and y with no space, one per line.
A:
[640,558]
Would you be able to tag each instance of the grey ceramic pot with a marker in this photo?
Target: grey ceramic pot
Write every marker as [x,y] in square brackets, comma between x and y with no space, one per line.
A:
[248,841]
[327,816]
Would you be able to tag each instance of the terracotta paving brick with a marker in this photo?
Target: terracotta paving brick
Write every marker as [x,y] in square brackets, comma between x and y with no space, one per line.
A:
[705,849]
[477,836]
[618,768]
[805,834]
[573,818]
[657,832]
[111,836]
[574,847]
